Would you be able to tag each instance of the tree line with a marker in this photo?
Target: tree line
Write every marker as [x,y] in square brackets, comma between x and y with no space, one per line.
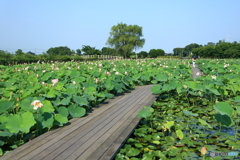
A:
[221,49]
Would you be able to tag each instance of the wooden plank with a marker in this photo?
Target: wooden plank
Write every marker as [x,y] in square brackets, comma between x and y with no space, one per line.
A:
[119,125]
[107,150]
[117,144]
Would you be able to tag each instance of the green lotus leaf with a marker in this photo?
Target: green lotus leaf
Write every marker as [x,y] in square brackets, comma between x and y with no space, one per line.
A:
[47,107]
[65,101]
[5,105]
[223,108]
[80,100]
[161,77]
[147,156]
[224,119]
[204,122]
[109,85]
[179,134]
[168,124]
[189,113]
[157,89]
[90,90]
[146,112]
[63,111]
[25,105]
[52,93]
[59,86]
[132,152]
[159,154]
[3,118]
[20,122]
[60,119]
[46,76]
[109,95]
[136,77]
[213,90]
[46,119]
[76,111]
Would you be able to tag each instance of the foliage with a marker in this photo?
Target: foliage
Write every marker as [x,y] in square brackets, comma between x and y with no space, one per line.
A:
[88,50]
[220,50]
[143,54]
[154,53]
[125,38]
[190,119]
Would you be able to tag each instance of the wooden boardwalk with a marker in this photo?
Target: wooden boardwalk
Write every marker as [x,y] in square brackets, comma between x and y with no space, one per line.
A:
[99,135]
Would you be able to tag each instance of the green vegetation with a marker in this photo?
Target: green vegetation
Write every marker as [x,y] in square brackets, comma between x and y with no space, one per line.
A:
[190,119]
[35,98]
[124,38]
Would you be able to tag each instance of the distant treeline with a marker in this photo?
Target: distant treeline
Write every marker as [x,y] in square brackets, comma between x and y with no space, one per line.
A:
[220,49]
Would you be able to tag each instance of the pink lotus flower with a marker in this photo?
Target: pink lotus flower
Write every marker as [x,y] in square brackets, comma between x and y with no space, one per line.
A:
[54,81]
[36,104]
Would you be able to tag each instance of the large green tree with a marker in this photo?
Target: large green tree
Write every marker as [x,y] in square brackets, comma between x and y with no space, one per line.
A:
[108,51]
[154,53]
[143,54]
[88,50]
[188,49]
[57,51]
[125,38]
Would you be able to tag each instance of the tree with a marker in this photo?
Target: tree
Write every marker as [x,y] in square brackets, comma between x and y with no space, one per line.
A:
[57,51]
[154,53]
[19,52]
[143,54]
[79,52]
[125,38]
[108,51]
[178,51]
[88,50]
[188,49]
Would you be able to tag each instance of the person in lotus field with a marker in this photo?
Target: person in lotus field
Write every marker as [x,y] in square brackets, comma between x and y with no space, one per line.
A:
[194,59]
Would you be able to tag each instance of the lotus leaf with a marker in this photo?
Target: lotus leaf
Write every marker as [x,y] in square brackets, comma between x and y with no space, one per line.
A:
[224,119]
[179,134]
[223,108]
[60,119]
[161,77]
[46,119]
[76,111]
[47,107]
[20,122]
[5,105]
[80,100]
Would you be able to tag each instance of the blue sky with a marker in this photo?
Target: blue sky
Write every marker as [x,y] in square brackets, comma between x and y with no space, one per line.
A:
[37,25]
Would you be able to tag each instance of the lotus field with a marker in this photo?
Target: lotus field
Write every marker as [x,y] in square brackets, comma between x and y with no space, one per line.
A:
[190,118]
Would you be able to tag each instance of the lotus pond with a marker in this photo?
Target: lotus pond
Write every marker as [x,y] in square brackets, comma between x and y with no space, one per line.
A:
[191,119]
[35,98]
